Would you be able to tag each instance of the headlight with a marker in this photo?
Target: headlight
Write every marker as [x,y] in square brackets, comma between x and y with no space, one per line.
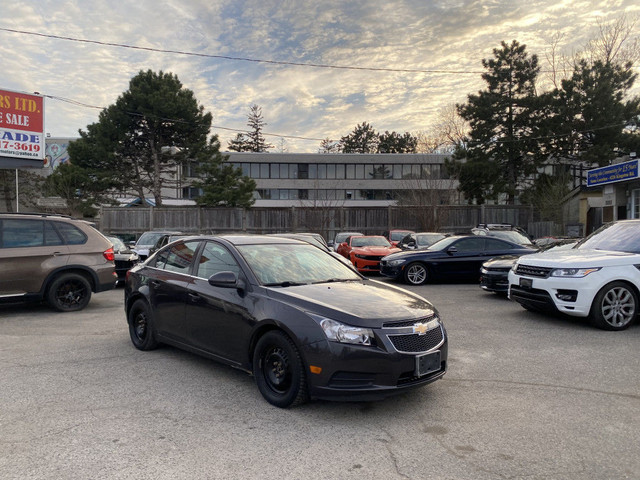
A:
[395,263]
[339,332]
[573,272]
[514,267]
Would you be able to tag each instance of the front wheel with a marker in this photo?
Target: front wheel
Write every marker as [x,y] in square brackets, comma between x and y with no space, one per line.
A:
[278,370]
[415,274]
[615,307]
[69,292]
[141,326]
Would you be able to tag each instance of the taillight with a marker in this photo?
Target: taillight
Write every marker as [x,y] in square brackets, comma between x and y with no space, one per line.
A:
[109,255]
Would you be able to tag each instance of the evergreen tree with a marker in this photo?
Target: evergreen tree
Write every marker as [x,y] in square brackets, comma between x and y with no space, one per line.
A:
[239,144]
[255,138]
[363,139]
[222,184]
[137,143]
[590,113]
[396,143]
[502,150]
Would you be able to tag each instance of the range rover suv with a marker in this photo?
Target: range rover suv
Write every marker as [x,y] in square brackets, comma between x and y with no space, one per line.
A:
[54,258]
[599,278]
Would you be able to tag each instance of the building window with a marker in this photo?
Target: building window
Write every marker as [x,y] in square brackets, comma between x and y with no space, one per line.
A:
[303,171]
[331,170]
[359,172]
[303,194]
[322,171]
[340,171]
[397,172]
[635,203]
[350,173]
[264,170]
[275,170]
[313,170]
[255,170]
[284,170]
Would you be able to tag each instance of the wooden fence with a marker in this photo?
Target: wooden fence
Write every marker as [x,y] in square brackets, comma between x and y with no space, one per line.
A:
[326,221]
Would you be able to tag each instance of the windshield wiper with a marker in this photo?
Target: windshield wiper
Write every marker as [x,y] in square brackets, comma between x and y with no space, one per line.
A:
[285,284]
[334,280]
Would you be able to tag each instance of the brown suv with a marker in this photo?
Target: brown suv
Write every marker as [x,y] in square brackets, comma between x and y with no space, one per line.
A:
[53,258]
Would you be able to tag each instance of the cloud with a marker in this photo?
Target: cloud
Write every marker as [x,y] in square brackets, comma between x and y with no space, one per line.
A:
[296,100]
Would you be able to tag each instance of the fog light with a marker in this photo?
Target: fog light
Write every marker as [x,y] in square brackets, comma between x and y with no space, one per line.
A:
[567,295]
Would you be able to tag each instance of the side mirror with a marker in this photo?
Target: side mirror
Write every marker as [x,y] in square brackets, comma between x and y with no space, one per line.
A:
[226,280]
[452,250]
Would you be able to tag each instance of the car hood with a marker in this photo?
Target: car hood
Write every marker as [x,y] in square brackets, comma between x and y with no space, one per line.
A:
[360,303]
[580,258]
[503,261]
[372,250]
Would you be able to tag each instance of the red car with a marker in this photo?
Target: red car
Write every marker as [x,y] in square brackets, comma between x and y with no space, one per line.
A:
[365,251]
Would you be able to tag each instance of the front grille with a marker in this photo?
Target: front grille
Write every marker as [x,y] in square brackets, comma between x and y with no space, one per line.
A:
[373,258]
[407,323]
[531,271]
[414,343]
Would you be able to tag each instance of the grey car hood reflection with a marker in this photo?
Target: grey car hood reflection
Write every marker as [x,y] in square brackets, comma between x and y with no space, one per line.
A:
[358,303]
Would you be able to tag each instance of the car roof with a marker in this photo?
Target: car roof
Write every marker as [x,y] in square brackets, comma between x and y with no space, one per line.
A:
[249,239]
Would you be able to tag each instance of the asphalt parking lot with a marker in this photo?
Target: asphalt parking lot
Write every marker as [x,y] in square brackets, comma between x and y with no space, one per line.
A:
[526,396]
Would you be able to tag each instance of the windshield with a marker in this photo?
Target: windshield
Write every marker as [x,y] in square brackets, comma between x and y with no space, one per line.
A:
[398,235]
[370,242]
[341,237]
[289,264]
[149,238]
[428,238]
[118,245]
[619,237]
[511,235]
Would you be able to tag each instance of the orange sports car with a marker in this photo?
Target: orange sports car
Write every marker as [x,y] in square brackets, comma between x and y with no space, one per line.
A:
[365,251]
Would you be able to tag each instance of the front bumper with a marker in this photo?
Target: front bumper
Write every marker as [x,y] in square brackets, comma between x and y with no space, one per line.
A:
[494,280]
[363,373]
[391,271]
[544,293]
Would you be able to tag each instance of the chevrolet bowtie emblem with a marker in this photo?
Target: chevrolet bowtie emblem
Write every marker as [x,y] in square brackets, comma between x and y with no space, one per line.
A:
[421,328]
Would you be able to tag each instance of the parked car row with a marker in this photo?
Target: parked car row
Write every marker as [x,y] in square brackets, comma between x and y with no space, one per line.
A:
[303,320]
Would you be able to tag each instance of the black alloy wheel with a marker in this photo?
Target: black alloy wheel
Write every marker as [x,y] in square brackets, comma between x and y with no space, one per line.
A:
[69,292]
[141,326]
[279,371]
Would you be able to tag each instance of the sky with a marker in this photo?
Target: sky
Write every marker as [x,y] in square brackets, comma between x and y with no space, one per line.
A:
[408,59]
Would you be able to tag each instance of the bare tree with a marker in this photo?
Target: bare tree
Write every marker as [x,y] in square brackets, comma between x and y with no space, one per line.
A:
[616,42]
[448,132]
[426,200]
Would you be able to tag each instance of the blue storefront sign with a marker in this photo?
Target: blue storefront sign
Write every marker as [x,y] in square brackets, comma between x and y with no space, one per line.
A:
[613,173]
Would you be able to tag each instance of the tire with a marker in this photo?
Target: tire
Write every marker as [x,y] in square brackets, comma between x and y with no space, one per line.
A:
[416,273]
[69,292]
[615,307]
[279,371]
[141,326]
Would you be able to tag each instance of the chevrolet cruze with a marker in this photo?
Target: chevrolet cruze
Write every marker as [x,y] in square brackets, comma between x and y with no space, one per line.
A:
[302,322]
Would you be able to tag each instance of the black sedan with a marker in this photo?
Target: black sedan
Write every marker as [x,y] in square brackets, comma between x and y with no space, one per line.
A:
[452,258]
[494,273]
[302,322]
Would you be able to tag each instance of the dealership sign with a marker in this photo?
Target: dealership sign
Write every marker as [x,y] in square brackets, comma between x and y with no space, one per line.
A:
[22,141]
[613,173]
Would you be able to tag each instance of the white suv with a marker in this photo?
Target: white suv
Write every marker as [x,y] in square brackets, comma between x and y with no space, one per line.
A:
[599,278]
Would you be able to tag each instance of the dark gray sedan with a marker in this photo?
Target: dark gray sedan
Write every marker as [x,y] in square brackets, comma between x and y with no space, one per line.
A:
[302,322]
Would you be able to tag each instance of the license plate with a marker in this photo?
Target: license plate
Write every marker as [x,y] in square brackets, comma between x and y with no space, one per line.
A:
[427,363]
[526,282]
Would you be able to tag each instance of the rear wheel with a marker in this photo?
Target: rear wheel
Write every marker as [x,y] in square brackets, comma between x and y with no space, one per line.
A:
[141,326]
[279,371]
[416,273]
[69,292]
[615,307]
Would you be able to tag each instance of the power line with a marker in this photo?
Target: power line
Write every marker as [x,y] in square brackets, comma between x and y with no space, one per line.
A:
[217,127]
[245,59]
